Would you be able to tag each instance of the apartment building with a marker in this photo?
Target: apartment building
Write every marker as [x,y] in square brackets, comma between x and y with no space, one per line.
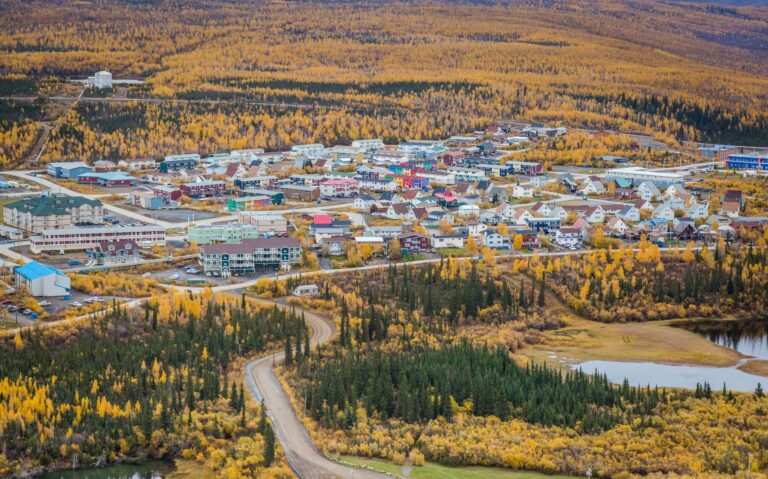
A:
[251,182]
[266,224]
[245,258]
[229,233]
[52,211]
[116,252]
[248,203]
[179,162]
[203,188]
[86,238]
[339,188]
[300,193]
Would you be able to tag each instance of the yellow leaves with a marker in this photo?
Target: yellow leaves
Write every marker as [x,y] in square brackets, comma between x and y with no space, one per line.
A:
[95,387]
[584,291]
[18,342]
[204,355]
[517,242]
[687,254]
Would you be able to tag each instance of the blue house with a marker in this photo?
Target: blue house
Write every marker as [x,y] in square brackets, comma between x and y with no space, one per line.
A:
[68,169]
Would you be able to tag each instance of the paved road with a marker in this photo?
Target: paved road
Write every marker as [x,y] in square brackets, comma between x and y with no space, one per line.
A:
[64,322]
[356,218]
[304,458]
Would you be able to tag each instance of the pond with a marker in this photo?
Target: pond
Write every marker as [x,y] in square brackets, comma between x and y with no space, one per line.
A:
[676,376]
[750,338]
[148,470]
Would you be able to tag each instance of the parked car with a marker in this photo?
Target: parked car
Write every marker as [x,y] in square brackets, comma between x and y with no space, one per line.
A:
[173,276]
[76,304]
[12,308]
[146,275]
[27,312]
[7,302]
[74,262]
[43,303]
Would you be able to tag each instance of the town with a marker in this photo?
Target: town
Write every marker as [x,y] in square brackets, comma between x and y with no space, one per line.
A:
[234,217]
[375,240]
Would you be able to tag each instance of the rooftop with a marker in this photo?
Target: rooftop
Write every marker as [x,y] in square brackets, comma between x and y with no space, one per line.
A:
[35,270]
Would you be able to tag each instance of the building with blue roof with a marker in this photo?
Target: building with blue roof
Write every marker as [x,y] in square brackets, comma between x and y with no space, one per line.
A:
[42,280]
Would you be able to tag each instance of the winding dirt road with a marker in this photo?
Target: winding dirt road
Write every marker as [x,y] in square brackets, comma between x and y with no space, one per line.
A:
[304,458]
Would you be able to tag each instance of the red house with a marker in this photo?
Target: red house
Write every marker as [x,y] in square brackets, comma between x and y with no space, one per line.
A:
[165,192]
[113,178]
[207,188]
[414,242]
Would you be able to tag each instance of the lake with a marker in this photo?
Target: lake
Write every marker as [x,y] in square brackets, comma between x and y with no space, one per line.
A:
[750,338]
[148,470]
[676,376]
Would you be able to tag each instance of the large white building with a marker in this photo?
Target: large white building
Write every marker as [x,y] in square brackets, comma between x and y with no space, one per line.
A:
[42,280]
[637,175]
[369,144]
[102,80]
[311,151]
[86,238]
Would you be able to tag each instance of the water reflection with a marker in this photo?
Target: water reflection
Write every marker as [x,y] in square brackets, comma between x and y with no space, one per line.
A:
[747,337]
[675,376]
[150,470]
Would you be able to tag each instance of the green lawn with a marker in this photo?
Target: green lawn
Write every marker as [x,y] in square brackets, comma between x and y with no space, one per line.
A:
[453,251]
[436,471]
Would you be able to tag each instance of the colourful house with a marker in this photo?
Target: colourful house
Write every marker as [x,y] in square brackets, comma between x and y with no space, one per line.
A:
[248,203]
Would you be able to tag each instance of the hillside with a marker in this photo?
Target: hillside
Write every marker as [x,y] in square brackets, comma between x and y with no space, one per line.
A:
[680,71]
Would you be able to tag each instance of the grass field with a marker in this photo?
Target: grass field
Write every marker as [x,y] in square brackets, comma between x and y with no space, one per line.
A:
[453,251]
[582,340]
[756,366]
[436,471]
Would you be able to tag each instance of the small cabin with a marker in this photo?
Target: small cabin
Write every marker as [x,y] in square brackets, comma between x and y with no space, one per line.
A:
[306,290]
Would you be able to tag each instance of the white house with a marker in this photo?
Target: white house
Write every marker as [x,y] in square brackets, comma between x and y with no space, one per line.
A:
[398,211]
[630,213]
[475,228]
[664,212]
[616,225]
[469,210]
[518,216]
[648,191]
[448,241]
[364,202]
[522,191]
[593,187]
[306,290]
[496,240]
[569,237]
[698,210]
[675,191]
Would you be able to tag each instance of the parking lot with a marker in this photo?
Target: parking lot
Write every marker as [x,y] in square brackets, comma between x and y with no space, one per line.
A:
[52,306]
[180,275]
[178,215]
